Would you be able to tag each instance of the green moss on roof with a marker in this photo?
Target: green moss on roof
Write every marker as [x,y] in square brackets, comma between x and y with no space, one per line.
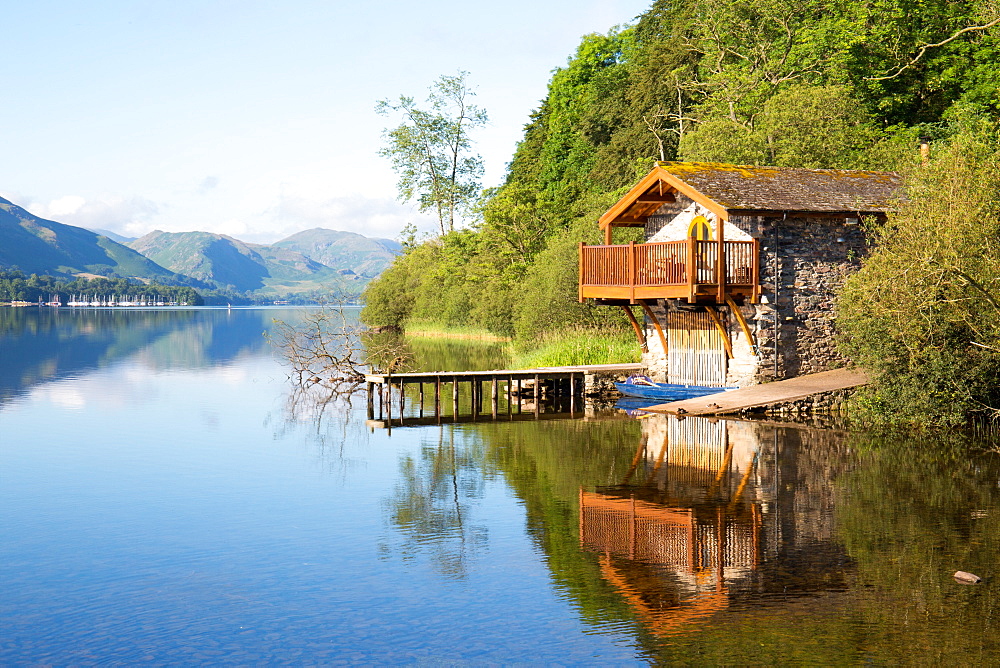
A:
[742,187]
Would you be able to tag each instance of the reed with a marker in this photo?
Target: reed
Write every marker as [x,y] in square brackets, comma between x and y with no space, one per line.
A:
[431,329]
[583,346]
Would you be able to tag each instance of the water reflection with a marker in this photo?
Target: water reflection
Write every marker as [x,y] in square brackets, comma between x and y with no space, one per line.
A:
[40,345]
[433,501]
[711,513]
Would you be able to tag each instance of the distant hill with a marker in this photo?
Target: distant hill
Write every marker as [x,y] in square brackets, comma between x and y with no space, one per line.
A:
[313,263]
[229,263]
[39,246]
[367,257]
[114,236]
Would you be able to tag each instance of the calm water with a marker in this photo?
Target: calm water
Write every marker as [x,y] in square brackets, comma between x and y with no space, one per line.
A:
[166,496]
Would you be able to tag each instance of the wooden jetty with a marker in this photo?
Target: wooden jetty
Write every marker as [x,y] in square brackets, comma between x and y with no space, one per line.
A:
[555,382]
[735,401]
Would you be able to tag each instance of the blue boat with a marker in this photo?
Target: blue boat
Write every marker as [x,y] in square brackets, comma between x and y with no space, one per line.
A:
[643,387]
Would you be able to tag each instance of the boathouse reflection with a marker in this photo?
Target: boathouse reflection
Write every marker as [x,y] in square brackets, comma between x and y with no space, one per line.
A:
[713,515]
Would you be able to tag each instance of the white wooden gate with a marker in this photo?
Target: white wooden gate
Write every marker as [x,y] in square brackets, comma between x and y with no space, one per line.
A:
[696,354]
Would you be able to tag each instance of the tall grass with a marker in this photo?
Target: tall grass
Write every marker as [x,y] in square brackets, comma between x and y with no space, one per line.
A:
[575,347]
[429,328]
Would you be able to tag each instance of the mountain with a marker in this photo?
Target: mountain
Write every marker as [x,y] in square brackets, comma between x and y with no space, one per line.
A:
[114,236]
[367,257]
[226,262]
[311,263]
[39,246]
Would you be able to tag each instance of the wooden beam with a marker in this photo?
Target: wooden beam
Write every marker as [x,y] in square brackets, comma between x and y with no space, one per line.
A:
[635,326]
[656,199]
[722,330]
[721,275]
[656,323]
[743,323]
[692,270]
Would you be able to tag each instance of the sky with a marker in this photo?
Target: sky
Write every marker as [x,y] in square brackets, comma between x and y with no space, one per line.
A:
[255,118]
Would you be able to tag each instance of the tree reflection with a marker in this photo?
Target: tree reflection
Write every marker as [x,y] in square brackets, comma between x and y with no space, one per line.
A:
[911,514]
[432,505]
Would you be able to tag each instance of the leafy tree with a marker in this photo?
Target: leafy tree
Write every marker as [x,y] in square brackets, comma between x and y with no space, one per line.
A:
[431,150]
[923,313]
[798,83]
[802,126]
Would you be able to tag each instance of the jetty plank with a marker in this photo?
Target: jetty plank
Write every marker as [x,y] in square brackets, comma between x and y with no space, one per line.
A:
[766,394]
[546,372]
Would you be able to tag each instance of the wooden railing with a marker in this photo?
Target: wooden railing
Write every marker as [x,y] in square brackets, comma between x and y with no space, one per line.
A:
[671,265]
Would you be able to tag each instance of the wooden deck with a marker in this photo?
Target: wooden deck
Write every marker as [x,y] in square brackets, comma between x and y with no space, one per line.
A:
[697,271]
[735,401]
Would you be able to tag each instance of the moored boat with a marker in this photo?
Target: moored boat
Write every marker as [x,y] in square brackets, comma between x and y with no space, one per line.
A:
[643,387]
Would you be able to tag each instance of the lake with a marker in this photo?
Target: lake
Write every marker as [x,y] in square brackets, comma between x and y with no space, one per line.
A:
[168,496]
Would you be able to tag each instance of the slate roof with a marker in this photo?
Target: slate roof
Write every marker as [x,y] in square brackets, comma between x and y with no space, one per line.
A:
[725,189]
[789,189]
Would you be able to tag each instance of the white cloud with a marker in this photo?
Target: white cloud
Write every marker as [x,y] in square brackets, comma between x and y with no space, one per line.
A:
[372,217]
[66,206]
[124,215]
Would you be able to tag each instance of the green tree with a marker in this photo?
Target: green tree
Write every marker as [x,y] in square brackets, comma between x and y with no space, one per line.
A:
[817,127]
[923,313]
[431,150]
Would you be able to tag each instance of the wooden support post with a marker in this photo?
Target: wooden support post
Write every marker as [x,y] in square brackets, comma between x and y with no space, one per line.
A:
[722,330]
[454,397]
[572,394]
[692,269]
[420,394]
[494,397]
[721,277]
[371,401]
[743,324]
[510,395]
[631,270]
[402,399]
[641,335]
[538,396]
[756,272]
[437,396]
[579,285]
[656,323]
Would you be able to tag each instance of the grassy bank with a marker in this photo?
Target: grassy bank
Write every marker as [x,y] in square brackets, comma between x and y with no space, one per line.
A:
[566,348]
[429,329]
[580,347]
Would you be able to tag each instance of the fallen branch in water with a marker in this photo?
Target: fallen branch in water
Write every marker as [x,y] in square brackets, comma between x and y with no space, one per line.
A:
[330,348]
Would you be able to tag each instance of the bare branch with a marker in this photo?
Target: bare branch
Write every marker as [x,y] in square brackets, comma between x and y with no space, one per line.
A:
[925,47]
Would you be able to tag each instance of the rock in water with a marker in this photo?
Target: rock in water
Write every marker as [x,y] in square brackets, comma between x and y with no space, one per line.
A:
[967,578]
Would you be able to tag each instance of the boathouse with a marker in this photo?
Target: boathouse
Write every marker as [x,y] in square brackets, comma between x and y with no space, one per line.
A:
[740,266]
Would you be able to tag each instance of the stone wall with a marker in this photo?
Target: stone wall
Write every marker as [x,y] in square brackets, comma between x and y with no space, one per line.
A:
[804,261]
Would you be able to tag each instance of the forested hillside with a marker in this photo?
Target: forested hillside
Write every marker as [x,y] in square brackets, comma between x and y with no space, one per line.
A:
[40,246]
[804,83]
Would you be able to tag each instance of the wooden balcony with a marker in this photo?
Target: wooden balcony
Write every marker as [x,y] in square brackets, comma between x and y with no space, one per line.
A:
[692,270]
